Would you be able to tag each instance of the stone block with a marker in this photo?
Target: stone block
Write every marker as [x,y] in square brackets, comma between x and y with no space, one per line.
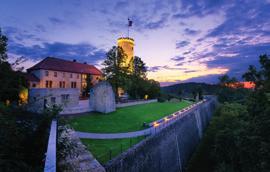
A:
[102,98]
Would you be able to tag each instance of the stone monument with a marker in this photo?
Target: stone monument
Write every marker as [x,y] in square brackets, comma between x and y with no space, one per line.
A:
[102,98]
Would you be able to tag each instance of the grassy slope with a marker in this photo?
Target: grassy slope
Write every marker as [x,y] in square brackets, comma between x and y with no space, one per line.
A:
[101,148]
[125,119]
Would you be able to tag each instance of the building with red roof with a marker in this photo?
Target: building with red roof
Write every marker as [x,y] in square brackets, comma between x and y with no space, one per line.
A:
[54,72]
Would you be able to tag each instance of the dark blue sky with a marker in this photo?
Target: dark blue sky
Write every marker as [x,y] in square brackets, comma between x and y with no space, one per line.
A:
[180,41]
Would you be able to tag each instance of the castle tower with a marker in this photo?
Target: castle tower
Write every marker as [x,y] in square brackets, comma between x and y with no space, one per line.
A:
[127,45]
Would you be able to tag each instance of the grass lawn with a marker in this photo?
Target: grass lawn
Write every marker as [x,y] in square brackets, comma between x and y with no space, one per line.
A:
[104,150]
[125,119]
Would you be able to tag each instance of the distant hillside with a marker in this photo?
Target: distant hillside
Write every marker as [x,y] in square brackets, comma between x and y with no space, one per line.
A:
[188,88]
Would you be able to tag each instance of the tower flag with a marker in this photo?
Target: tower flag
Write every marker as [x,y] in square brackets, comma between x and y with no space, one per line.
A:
[129,22]
[129,25]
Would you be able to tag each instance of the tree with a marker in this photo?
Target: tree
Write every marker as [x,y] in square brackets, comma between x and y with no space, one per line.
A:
[11,81]
[89,85]
[260,78]
[139,67]
[137,79]
[3,48]
[225,80]
[114,69]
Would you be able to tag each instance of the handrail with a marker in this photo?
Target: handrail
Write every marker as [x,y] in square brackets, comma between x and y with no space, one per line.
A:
[50,163]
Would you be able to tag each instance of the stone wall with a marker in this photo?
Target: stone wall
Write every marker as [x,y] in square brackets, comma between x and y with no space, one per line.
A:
[39,96]
[170,149]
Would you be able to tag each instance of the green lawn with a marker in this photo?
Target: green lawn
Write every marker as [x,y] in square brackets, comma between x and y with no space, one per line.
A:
[125,119]
[104,150]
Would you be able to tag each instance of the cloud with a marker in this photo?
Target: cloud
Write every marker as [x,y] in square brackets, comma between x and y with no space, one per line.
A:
[190,71]
[56,21]
[209,78]
[82,52]
[191,31]
[165,67]
[187,52]
[120,5]
[40,28]
[182,44]
[17,35]
[178,58]
[158,24]
[198,8]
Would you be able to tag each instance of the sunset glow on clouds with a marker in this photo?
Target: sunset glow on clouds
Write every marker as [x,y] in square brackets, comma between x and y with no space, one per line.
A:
[179,41]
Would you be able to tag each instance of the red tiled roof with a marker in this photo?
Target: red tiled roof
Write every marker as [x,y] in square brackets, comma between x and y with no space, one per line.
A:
[31,77]
[51,63]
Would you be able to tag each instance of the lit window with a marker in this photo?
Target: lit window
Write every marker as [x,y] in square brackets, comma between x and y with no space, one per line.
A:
[48,84]
[62,84]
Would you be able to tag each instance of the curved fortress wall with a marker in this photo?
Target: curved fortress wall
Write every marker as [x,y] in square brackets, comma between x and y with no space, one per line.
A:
[170,149]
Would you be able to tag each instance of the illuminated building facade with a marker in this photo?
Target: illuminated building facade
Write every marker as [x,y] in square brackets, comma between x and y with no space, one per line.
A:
[127,44]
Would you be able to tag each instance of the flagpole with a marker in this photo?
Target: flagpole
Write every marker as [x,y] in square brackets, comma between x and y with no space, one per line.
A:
[128,27]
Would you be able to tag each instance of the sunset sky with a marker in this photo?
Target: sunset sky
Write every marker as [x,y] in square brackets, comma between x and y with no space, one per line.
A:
[180,41]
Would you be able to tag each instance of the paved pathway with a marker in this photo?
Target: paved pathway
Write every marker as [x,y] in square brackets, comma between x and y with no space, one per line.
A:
[149,131]
[86,135]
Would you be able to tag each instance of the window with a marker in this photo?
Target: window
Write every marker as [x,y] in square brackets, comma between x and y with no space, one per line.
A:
[84,76]
[73,84]
[48,84]
[64,98]
[78,76]
[62,84]
[71,75]
[53,100]
[55,74]
[64,74]
[46,73]
[34,85]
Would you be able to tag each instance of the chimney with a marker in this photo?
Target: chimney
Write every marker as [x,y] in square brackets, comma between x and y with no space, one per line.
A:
[74,60]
